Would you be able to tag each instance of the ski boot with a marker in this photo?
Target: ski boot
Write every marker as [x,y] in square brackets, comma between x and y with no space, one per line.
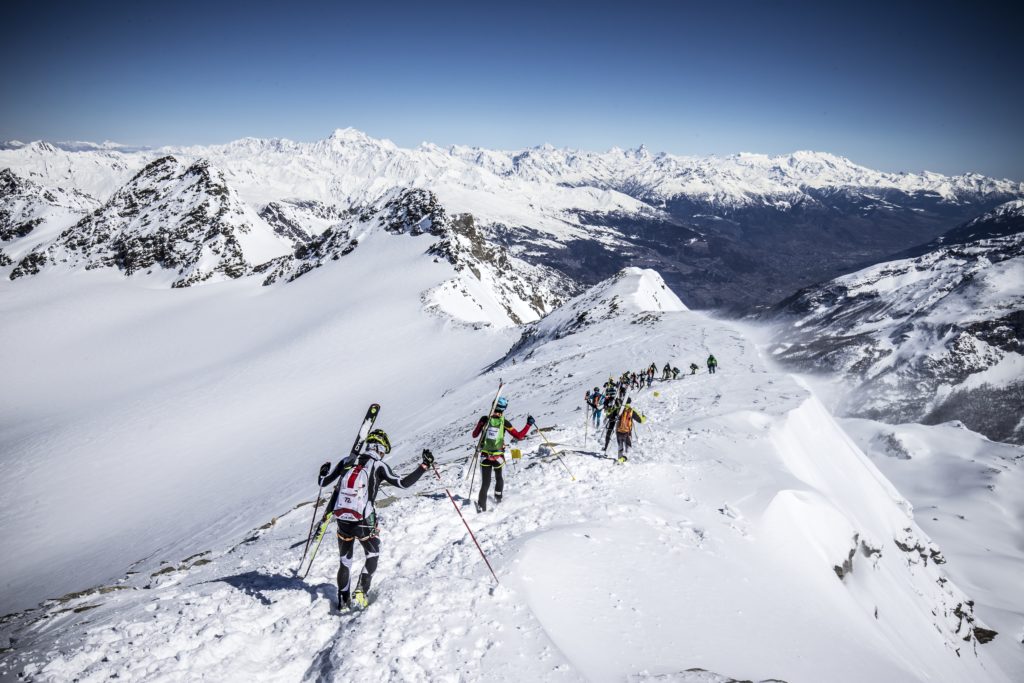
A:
[359,597]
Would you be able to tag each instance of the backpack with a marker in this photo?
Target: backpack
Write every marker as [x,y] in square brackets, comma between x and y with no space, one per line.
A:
[625,421]
[354,493]
[494,436]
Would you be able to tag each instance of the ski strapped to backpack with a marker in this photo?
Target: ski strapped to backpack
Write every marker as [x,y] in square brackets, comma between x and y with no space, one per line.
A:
[325,523]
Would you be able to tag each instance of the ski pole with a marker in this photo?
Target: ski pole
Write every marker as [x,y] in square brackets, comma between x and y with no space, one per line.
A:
[319,539]
[471,535]
[558,455]
[309,536]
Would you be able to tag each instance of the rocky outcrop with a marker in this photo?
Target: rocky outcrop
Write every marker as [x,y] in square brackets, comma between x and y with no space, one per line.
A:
[25,206]
[171,217]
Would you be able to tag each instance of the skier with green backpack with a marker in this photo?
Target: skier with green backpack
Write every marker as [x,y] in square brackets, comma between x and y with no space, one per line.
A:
[492,449]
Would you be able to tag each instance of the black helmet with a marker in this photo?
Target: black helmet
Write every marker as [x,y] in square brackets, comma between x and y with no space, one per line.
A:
[378,436]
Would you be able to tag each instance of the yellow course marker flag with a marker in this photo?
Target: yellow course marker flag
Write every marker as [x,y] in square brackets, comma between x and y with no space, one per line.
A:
[516,454]
[657,394]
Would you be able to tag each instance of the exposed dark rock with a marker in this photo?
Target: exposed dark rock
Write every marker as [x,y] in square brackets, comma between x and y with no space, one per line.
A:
[169,216]
[846,567]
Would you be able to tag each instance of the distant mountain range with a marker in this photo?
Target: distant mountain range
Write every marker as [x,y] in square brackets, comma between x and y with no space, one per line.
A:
[933,337]
[737,233]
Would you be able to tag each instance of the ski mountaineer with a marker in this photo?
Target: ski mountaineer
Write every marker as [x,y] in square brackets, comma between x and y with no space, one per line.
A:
[361,478]
[624,428]
[675,372]
[611,418]
[650,374]
[609,404]
[492,450]
[594,404]
[712,364]
[609,389]
[694,368]
[666,372]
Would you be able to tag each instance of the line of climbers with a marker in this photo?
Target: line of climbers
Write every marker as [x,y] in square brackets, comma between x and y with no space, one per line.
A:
[362,474]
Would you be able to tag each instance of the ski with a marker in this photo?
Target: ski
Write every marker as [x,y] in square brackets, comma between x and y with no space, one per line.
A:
[325,523]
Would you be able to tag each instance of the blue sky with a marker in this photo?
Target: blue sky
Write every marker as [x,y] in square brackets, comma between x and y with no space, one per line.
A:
[894,86]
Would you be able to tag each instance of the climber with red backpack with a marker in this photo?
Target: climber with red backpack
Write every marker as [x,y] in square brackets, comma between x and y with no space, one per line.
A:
[361,477]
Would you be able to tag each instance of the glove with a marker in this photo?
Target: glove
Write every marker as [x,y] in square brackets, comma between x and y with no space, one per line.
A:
[428,457]
[325,469]
[530,421]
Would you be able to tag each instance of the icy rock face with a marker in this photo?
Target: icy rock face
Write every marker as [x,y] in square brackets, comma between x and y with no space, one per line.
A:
[178,218]
[25,205]
[491,287]
[301,220]
[930,338]
[524,292]
[406,211]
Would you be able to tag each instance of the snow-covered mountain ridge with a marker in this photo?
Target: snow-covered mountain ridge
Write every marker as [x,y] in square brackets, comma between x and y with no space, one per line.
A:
[761,542]
[184,224]
[929,338]
[736,179]
[734,231]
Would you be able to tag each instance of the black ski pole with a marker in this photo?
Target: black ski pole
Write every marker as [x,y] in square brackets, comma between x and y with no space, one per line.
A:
[312,524]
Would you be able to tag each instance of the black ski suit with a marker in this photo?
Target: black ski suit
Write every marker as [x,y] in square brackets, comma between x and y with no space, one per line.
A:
[611,419]
[366,530]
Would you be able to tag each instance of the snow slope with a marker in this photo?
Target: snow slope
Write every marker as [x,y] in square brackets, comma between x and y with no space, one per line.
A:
[966,494]
[747,535]
[169,419]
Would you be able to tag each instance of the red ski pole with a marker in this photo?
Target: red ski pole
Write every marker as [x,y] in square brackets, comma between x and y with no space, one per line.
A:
[486,561]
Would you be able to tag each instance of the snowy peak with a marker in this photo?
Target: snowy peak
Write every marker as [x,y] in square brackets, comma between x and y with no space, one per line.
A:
[637,294]
[183,219]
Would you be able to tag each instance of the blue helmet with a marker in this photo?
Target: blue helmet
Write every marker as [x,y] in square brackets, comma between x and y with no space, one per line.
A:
[501,404]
